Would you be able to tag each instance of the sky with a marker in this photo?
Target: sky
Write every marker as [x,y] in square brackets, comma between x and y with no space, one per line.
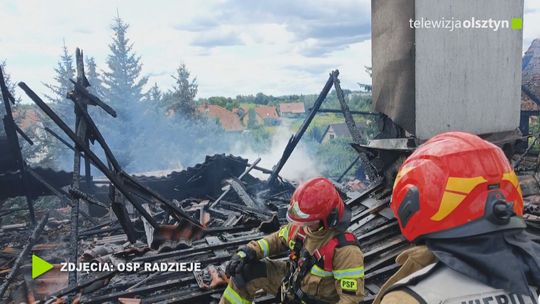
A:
[277,47]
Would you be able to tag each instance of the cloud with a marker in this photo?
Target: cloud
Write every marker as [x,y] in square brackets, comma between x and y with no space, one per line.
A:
[83,31]
[216,39]
[197,24]
[233,47]
[319,27]
[159,73]
[314,69]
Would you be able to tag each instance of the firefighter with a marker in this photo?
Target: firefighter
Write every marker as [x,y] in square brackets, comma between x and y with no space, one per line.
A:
[325,263]
[458,198]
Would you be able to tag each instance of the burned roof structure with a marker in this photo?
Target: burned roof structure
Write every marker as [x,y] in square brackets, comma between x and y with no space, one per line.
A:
[201,214]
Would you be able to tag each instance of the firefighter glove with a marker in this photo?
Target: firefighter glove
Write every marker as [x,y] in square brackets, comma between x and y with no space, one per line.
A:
[245,255]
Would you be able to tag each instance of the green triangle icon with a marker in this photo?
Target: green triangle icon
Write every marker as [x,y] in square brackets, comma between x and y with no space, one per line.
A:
[39,266]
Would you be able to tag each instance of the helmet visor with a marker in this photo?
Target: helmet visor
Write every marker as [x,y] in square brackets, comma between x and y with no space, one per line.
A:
[291,218]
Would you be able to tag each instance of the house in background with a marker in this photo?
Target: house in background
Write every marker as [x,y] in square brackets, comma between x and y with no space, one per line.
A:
[228,120]
[264,115]
[292,110]
[334,131]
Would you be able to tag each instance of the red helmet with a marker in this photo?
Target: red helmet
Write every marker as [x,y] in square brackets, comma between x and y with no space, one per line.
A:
[316,200]
[456,185]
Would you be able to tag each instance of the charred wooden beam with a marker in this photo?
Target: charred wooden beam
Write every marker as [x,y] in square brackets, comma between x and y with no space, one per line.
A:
[122,215]
[61,194]
[183,252]
[293,141]
[349,120]
[54,298]
[251,167]
[351,125]
[81,130]
[23,254]
[352,112]
[348,168]
[23,135]
[91,155]
[11,133]
[70,146]
[238,187]
[78,194]
[93,100]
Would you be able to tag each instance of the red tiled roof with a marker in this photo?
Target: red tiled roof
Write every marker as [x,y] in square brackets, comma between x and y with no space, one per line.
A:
[293,107]
[228,120]
[267,112]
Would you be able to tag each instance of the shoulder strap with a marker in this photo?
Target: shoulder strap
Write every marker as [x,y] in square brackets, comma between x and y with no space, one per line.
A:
[325,254]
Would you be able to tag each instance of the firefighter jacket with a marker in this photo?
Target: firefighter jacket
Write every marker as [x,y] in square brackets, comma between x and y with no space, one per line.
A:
[422,279]
[343,285]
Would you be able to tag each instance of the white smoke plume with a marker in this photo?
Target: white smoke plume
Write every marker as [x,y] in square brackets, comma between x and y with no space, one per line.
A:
[301,164]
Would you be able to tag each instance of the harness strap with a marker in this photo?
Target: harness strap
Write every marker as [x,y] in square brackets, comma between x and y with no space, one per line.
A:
[326,252]
[318,263]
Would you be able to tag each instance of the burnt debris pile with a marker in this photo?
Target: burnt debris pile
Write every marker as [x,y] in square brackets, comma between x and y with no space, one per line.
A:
[199,215]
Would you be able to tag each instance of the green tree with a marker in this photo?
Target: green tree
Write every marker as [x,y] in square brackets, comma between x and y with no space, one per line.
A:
[96,85]
[64,72]
[154,95]
[10,86]
[182,97]
[315,133]
[123,90]
[337,155]
[123,83]
[252,119]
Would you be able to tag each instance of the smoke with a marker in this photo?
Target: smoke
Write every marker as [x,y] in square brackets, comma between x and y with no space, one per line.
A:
[152,141]
[300,166]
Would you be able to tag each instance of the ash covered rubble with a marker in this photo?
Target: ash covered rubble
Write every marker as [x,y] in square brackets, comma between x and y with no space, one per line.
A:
[199,215]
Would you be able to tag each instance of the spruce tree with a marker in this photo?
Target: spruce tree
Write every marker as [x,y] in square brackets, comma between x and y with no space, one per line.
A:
[11,88]
[123,91]
[65,71]
[123,82]
[9,83]
[154,96]
[96,86]
[182,97]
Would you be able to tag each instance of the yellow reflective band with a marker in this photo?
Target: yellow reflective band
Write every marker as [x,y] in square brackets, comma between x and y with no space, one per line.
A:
[464,185]
[264,246]
[401,173]
[318,271]
[451,200]
[233,297]
[513,179]
[291,244]
[284,233]
[350,273]
[347,284]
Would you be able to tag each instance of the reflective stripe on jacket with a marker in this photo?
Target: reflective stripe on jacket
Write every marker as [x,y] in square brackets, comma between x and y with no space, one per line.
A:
[344,285]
